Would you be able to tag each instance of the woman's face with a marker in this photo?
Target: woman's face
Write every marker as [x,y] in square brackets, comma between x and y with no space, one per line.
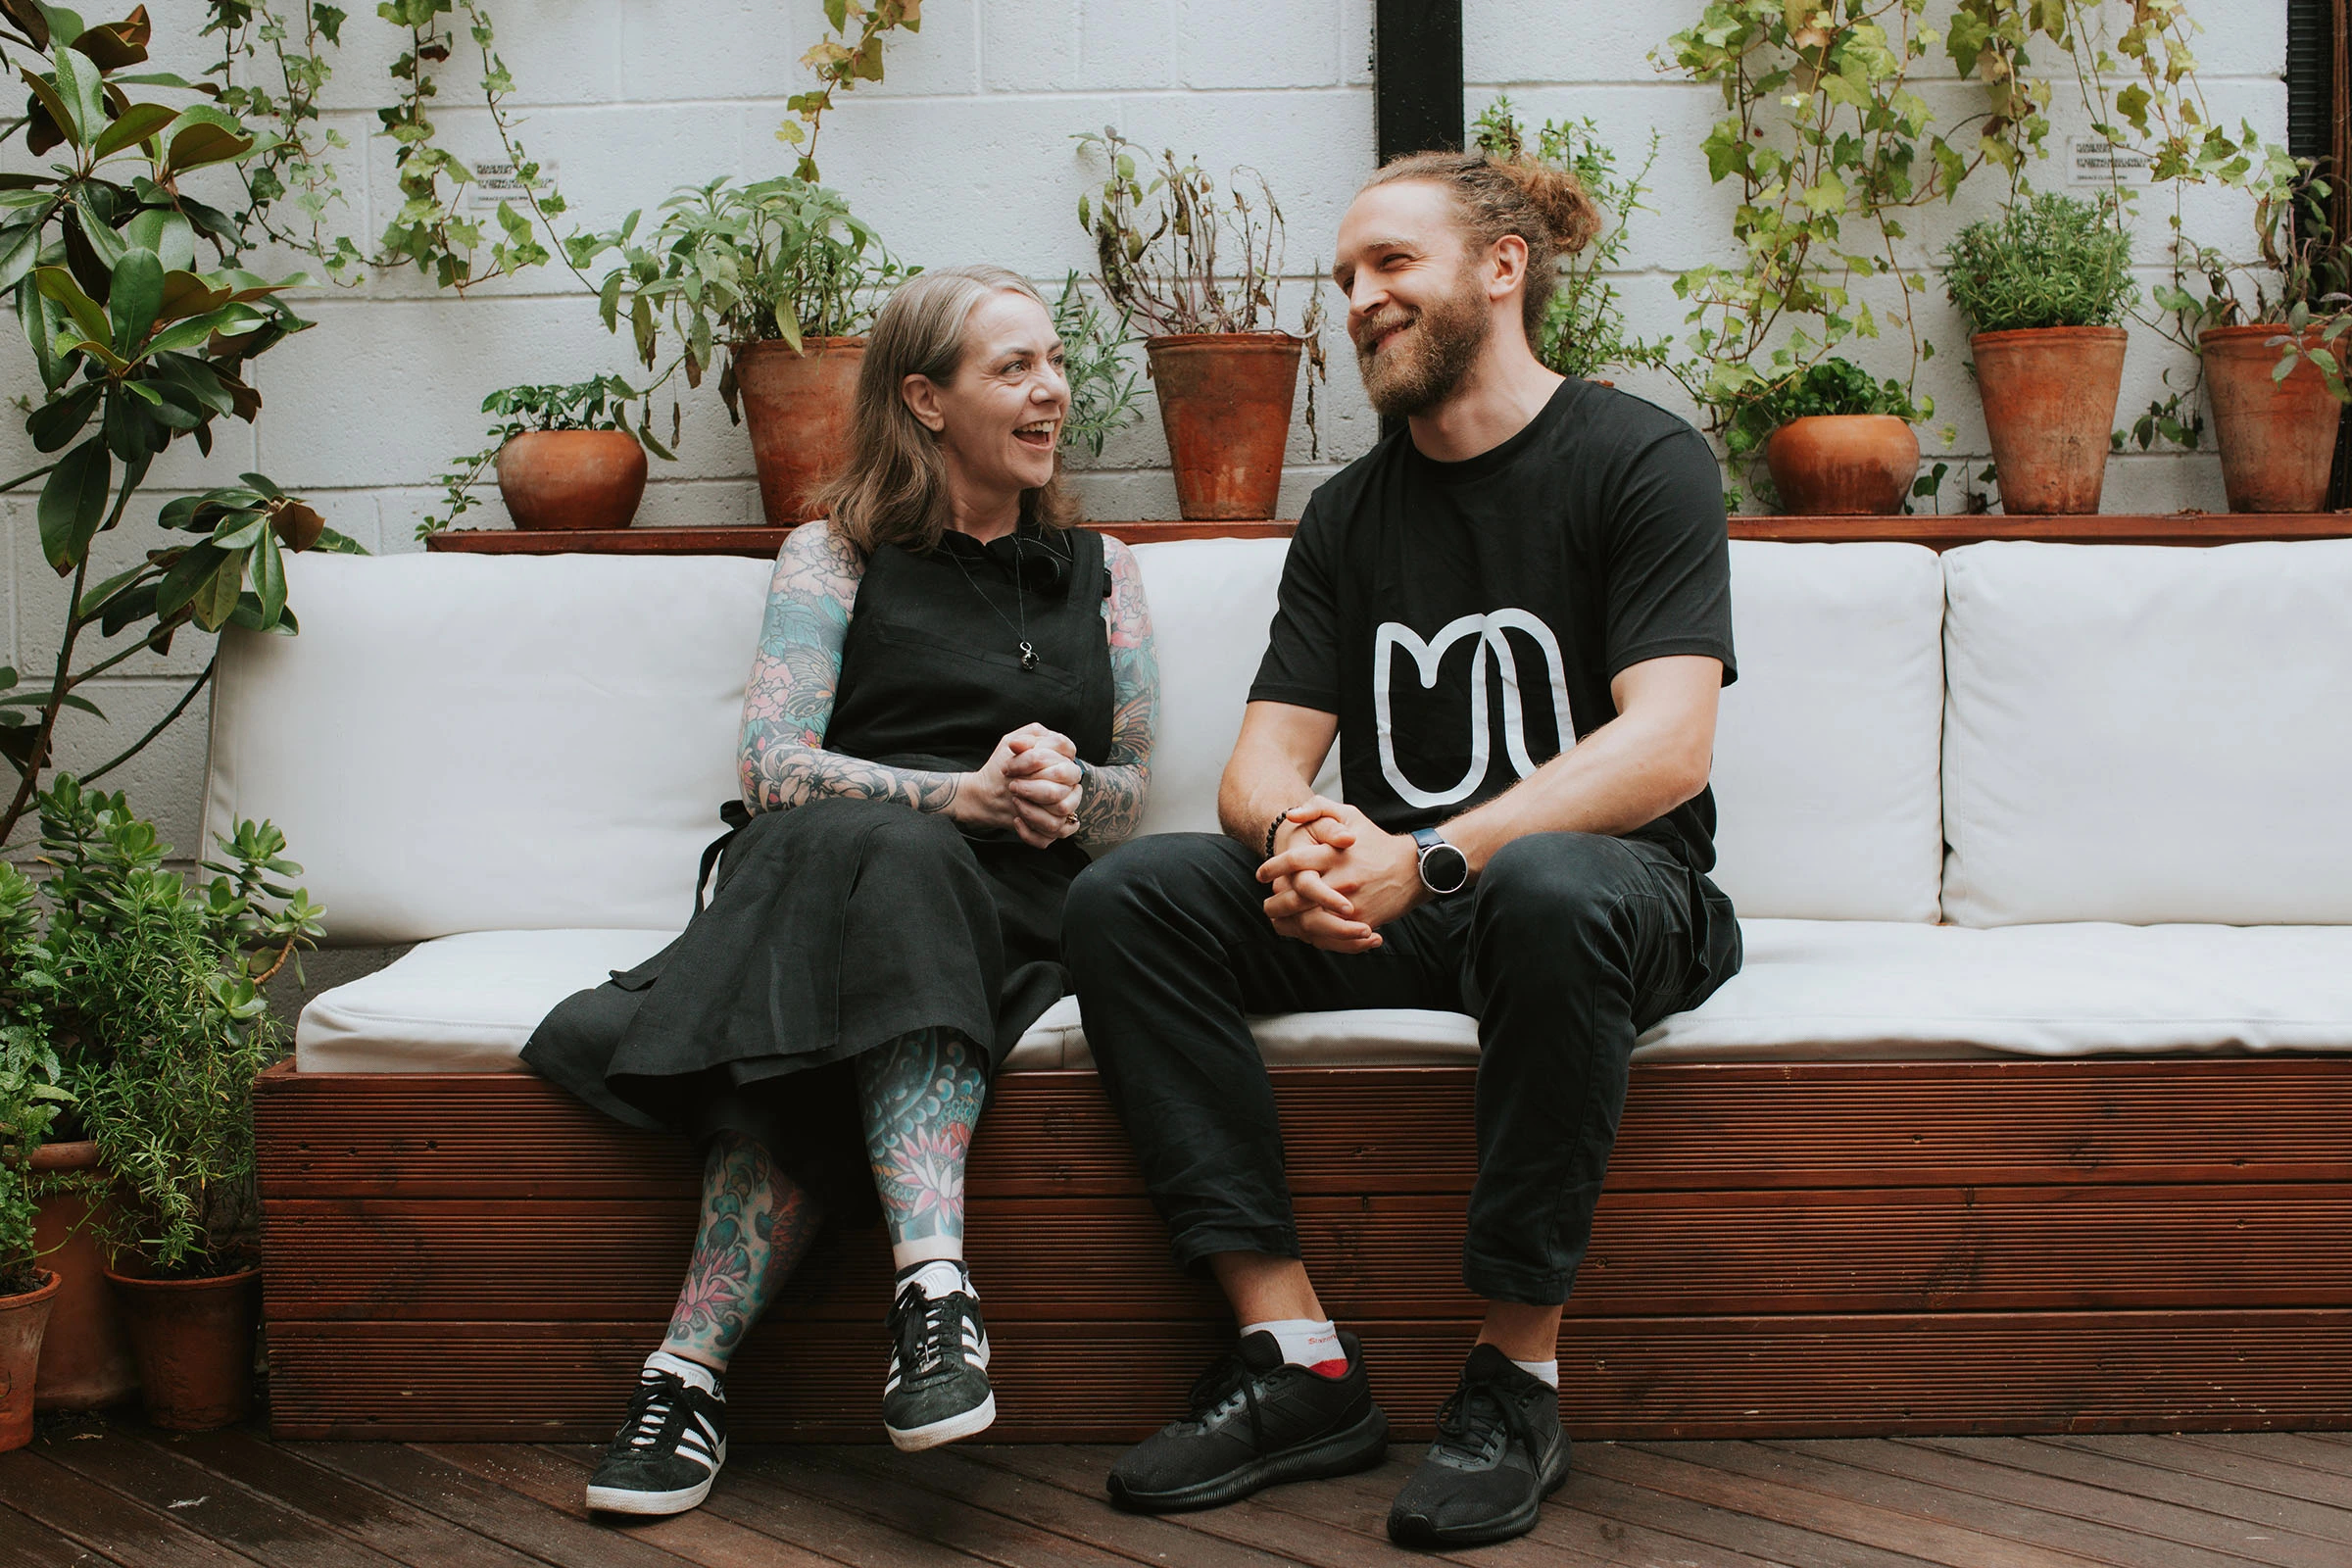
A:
[999,421]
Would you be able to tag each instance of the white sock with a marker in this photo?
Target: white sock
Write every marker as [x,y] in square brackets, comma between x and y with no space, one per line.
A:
[694,1373]
[1549,1371]
[1305,1342]
[941,1276]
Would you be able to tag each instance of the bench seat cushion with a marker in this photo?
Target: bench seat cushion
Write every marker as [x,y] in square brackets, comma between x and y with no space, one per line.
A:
[1811,989]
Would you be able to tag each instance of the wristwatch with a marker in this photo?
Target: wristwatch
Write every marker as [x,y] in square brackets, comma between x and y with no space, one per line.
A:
[1443,868]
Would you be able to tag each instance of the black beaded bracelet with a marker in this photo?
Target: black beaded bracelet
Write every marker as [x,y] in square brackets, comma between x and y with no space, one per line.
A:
[1273,828]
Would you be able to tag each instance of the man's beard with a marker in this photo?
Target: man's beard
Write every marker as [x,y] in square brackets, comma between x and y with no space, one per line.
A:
[1424,365]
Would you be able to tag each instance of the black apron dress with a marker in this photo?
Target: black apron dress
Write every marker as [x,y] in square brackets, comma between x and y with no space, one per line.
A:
[841,925]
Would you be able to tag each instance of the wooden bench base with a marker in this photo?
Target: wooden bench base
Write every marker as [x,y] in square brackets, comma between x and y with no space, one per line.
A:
[1784,1250]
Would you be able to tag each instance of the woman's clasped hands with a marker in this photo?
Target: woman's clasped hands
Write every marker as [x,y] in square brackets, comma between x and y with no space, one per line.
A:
[1031,784]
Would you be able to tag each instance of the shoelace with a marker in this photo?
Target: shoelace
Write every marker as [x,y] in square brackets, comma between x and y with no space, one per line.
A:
[1469,1421]
[651,1411]
[924,1329]
[1227,1376]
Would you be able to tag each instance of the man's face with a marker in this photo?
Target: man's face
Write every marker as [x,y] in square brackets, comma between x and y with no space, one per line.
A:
[1417,305]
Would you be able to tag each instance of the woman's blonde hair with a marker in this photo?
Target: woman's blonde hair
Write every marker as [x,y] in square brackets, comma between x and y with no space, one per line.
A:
[893,488]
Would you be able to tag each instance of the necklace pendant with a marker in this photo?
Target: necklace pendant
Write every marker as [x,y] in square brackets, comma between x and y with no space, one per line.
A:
[1028,656]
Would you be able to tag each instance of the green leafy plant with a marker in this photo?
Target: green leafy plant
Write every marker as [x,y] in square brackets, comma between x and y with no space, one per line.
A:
[1829,386]
[1832,147]
[851,53]
[133,346]
[158,987]
[2048,261]
[1585,331]
[30,1093]
[274,65]
[600,402]
[728,265]
[1104,390]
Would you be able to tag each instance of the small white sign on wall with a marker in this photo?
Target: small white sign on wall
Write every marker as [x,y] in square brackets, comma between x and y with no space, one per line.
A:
[494,181]
[2093,161]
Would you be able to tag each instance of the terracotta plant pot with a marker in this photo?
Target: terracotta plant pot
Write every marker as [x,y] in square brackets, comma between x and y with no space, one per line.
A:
[2278,438]
[22,1320]
[2050,406]
[85,1359]
[193,1341]
[799,408]
[1225,401]
[571,478]
[1843,465]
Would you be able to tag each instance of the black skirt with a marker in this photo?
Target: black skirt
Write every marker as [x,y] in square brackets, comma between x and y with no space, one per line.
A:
[841,925]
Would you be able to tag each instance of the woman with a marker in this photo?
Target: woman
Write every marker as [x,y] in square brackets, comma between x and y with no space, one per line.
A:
[954,691]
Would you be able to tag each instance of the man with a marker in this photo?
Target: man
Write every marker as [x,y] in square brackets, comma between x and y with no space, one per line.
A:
[1514,615]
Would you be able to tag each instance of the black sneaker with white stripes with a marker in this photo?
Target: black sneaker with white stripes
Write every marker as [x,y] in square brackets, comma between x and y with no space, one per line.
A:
[938,1388]
[670,1446]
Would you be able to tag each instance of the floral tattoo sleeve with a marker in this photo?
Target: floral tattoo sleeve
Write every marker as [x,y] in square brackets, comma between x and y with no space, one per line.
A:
[788,703]
[1112,806]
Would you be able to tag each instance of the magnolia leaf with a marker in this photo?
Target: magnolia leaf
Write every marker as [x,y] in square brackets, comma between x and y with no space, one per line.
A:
[215,597]
[132,127]
[73,504]
[131,301]
[61,286]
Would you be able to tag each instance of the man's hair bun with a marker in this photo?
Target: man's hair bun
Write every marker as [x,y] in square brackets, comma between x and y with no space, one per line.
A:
[1547,207]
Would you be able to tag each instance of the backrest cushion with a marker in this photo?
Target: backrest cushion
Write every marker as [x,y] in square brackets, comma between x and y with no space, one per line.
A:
[1825,747]
[1211,601]
[2149,734]
[473,743]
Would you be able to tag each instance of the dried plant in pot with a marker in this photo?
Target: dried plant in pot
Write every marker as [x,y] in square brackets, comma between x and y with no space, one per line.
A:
[2045,287]
[780,279]
[1836,442]
[157,993]
[1225,375]
[566,458]
[30,1099]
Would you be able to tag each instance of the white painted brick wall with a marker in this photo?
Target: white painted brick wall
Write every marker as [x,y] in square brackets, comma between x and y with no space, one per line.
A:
[962,154]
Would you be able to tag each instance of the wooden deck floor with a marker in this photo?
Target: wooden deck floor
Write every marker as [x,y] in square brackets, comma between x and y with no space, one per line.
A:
[113,1492]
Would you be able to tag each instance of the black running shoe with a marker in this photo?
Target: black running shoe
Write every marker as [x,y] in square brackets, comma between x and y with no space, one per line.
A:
[937,1391]
[667,1452]
[1256,1420]
[1499,1453]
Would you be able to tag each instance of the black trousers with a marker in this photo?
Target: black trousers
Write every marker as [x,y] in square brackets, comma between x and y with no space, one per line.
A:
[1568,946]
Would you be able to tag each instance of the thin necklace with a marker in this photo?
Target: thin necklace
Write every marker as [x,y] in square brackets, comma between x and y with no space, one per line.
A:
[1020,600]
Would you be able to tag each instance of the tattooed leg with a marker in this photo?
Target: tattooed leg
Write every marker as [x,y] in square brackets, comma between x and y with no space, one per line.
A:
[757,1223]
[922,1093]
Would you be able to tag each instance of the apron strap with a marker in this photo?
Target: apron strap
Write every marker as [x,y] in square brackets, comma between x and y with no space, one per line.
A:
[737,816]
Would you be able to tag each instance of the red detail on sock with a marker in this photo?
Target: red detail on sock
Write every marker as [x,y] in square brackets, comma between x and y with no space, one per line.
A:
[1330,1369]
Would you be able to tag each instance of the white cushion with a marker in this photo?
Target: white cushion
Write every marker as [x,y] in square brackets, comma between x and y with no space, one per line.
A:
[2149,734]
[475,743]
[464,1003]
[1811,989]
[1212,601]
[469,1004]
[1826,750]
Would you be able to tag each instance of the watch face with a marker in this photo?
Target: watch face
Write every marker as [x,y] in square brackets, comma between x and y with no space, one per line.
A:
[1443,868]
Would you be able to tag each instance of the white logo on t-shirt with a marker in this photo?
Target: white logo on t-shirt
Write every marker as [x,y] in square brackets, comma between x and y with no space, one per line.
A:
[1490,629]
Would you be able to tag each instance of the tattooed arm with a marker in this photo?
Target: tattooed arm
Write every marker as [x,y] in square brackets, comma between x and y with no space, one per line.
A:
[1112,806]
[788,702]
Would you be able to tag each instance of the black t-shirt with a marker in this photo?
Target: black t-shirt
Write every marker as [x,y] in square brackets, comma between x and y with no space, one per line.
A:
[1465,619]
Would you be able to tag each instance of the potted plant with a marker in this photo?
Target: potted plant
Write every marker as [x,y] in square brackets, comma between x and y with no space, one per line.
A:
[2270,362]
[30,1098]
[2044,287]
[783,278]
[1225,374]
[566,458]
[1836,442]
[159,989]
